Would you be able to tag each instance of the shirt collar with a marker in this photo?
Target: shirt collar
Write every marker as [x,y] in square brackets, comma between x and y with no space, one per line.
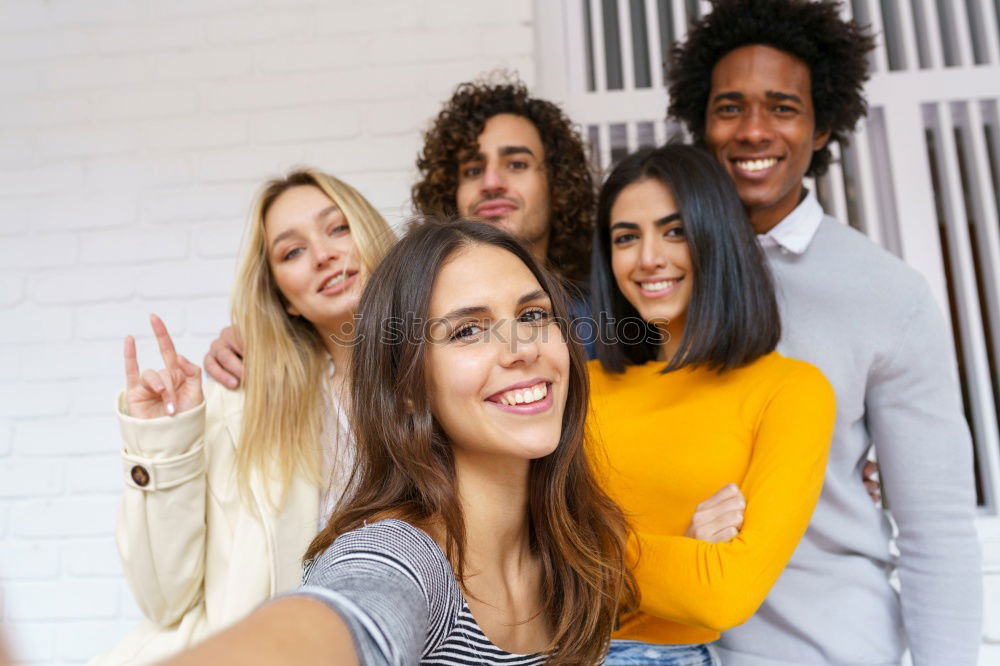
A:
[796,231]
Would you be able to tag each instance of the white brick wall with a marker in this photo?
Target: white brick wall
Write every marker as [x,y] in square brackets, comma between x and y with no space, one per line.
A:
[133,134]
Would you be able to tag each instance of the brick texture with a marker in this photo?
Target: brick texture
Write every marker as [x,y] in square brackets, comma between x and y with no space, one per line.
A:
[133,135]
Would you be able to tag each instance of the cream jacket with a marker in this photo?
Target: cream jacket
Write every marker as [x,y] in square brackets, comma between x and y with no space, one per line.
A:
[197,556]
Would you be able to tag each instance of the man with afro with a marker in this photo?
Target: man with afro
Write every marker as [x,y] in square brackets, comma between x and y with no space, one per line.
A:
[765,85]
[497,154]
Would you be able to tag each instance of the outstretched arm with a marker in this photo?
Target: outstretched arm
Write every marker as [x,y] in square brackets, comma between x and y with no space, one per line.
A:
[372,597]
[293,630]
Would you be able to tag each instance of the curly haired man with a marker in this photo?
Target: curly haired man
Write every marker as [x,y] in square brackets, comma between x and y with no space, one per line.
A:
[765,85]
[496,153]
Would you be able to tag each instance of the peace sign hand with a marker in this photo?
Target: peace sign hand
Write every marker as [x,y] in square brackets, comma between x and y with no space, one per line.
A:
[166,392]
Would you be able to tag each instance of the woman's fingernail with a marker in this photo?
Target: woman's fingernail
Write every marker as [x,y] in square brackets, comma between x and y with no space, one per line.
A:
[232,383]
[170,408]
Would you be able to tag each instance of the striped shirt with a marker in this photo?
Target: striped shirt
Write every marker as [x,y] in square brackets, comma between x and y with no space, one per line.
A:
[397,593]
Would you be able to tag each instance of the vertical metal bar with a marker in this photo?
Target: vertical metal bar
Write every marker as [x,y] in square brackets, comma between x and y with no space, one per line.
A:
[835,180]
[655,45]
[576,52]
[908,34]
[991,29]
[631,137]
[680,19]
[881,54]
[593,146]
[921,246]
[604,135]
[625,42]
[963,33]
[971,329]
[988,230]
[660,132]
[600,61]
[874,224]
[935,36]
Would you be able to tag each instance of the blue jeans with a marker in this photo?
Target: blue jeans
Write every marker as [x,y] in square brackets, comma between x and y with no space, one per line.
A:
[635,653]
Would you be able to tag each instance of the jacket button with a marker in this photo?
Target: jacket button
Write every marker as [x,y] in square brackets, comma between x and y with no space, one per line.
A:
[140,476]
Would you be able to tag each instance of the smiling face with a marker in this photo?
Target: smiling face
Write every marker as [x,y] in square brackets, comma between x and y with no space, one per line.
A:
[760,124]
[312,257]
[497,366]
[650,258]
[505,183]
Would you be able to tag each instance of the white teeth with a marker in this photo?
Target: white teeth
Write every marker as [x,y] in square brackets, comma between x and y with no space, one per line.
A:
[757,165]
[525,396]
[659,286]
[335,280]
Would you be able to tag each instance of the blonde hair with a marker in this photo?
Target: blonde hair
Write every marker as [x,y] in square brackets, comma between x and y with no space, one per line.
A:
[285,360]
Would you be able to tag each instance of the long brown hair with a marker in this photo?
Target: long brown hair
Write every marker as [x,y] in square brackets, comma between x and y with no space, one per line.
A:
[285,357]
[406,467]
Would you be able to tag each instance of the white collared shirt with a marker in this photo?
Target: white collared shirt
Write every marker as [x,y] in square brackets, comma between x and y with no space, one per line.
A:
[796,231]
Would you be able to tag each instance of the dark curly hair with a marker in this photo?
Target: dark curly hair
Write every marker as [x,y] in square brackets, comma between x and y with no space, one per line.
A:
[834,50]
[453,139]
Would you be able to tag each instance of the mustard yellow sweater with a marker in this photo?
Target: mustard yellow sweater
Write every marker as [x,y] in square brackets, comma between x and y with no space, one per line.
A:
[664,443]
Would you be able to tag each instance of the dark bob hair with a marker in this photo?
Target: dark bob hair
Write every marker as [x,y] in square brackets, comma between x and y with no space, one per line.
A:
[836,52]
[732,318]
[405,464]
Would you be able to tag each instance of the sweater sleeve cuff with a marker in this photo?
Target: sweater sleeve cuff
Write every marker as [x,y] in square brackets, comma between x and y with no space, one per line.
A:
[163,473]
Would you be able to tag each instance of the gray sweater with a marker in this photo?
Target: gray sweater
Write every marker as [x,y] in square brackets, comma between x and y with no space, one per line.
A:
[870,324]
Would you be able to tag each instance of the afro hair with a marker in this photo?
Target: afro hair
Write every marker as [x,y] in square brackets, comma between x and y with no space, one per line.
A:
[834,50]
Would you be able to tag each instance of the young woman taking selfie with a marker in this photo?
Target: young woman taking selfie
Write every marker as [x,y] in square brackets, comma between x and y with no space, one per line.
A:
[473,530]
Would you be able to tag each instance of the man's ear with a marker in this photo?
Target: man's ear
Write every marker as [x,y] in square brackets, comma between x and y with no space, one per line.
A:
[820,138]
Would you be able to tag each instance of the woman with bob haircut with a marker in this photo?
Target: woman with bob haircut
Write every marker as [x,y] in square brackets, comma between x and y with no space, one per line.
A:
[473,531]
[694,400]
[225,490]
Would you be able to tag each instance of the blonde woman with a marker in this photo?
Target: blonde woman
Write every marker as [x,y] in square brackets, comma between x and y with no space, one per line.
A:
[224,491]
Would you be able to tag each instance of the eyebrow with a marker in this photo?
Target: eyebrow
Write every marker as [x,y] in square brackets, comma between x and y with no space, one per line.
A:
[769,94]
[733,95]
[515,150]
[782,96]
[319,216]
[663,221]
[504,152]
[470,310]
